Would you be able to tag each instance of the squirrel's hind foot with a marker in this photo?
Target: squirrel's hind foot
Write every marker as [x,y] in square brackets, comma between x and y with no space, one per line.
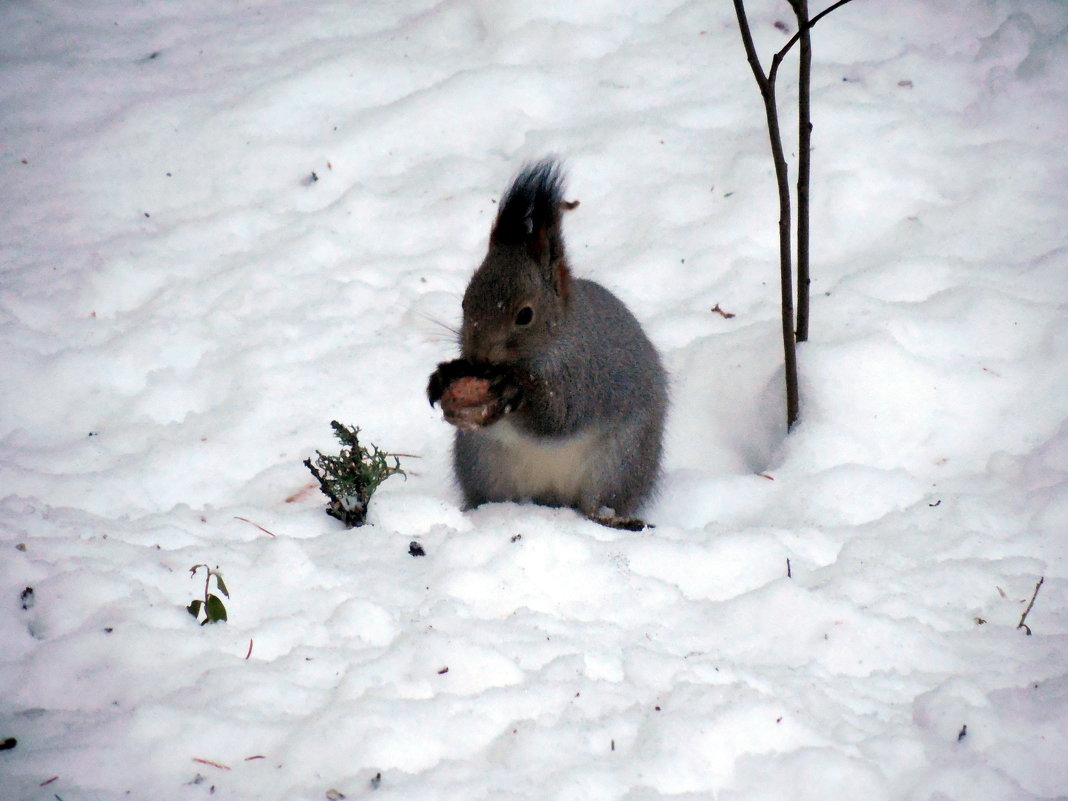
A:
[622,523]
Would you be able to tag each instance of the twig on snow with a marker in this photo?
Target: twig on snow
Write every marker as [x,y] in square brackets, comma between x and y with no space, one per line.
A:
[257,525]
[1023,617]
[213,764]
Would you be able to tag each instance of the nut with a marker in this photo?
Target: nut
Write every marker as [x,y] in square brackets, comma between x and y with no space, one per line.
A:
[468,403]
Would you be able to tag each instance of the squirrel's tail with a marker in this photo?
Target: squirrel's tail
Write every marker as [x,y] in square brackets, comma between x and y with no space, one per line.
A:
[529,213]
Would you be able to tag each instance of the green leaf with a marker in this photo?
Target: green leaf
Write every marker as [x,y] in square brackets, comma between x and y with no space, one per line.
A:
[219,583]
[214,609]
[194,607]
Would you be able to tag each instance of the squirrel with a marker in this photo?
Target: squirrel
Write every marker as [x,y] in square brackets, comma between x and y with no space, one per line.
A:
[559,397]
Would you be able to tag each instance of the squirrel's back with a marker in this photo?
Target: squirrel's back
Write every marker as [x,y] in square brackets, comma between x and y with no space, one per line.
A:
[602,360]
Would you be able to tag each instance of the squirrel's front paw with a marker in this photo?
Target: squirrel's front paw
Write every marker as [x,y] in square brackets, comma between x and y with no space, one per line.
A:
[475,396]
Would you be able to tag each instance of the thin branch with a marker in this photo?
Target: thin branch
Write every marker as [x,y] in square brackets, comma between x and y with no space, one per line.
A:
[778,57]
[750,48]
[804,148]
[257,525]
[213,764]
[804,161]
[207,579]
[1023,617]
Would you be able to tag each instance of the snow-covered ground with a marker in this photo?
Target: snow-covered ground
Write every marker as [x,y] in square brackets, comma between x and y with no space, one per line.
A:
[183,310]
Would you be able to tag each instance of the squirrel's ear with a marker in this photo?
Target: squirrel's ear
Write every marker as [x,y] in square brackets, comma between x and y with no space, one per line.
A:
[544,243]
[538,244]
[529,216]
[563,279]
[546,248]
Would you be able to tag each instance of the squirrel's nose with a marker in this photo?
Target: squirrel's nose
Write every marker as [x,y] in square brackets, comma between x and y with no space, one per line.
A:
[486,353]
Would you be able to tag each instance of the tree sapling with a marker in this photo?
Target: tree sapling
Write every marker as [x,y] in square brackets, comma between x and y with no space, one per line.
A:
[211,604]
[766,83]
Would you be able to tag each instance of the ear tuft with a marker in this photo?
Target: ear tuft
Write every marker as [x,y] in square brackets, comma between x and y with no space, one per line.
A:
[529,213]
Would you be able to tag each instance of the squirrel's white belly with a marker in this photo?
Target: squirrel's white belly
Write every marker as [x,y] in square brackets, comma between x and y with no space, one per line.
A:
[539,466]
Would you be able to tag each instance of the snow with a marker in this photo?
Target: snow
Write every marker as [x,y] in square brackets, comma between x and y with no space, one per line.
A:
[183,310]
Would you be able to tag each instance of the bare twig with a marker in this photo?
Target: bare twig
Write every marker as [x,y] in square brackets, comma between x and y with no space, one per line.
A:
[213,764]
[257,525]
[804,160]
[207,578]
[804,150]
[811,24]
[750,48]
[1023,617]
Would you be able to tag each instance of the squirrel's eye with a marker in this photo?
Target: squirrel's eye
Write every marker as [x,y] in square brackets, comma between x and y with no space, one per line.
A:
[525,316]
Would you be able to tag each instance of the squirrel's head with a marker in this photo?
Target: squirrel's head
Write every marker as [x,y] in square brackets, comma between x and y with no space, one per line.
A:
[520,293]
[512,306]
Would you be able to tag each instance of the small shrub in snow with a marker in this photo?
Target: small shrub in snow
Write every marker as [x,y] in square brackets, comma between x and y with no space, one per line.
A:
[211,604]
[350,478]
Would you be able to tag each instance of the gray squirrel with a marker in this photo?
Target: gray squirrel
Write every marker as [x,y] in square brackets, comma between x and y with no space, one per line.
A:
[559,397]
